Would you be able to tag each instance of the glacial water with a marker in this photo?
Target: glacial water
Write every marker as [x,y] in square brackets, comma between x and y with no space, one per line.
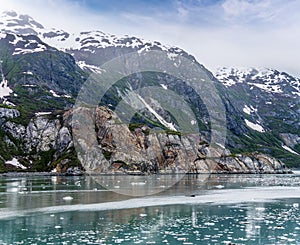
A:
[203,209]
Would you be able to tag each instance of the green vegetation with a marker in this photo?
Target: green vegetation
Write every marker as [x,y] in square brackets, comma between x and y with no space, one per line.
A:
[172,132]
[70,155]
[107,154]
[268,143]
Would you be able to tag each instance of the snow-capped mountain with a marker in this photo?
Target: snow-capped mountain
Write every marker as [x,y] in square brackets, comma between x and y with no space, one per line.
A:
[43,69]
[268,101]
[83,45]
[266,79]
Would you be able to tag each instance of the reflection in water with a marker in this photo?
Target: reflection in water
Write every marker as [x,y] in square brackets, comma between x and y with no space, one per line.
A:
[143,185]
[255,215]
[257,222]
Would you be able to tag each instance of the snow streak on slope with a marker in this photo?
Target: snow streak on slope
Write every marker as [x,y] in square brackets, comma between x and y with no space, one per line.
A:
[4,88]
[254,126]
[290,150]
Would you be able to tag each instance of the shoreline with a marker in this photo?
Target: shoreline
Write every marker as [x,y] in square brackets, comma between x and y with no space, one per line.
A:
[47,174]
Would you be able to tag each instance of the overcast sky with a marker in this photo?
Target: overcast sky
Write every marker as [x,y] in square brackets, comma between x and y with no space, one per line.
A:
[239,33]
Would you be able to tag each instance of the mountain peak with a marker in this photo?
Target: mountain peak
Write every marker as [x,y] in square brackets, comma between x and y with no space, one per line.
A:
[10,13]
[12,22]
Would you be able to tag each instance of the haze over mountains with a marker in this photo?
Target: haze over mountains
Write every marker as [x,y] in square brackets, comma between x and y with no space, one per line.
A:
[43,70]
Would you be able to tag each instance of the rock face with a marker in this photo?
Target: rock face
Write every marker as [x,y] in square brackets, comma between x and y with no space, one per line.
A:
[9,113]
[290,139]
[41,134]
[108,146]
[40,145]
[142,150]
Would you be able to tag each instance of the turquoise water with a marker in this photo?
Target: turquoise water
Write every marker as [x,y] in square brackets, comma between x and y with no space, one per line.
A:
[216,209]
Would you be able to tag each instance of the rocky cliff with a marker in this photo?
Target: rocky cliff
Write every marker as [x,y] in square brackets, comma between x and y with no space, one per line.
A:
[120,148]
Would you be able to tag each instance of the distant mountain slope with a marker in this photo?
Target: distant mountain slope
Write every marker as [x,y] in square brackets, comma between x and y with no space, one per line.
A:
[269,102]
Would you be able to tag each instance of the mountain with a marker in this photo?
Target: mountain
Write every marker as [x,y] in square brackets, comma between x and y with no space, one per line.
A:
[44,69]
[269,104]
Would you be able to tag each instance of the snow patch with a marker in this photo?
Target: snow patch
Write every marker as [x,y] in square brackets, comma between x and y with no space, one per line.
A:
[193,122]
[16,40]
[83,65]
[28,73]
[2,35]
[29,85]
[249,109]
[254,126]
[4,89]
[54,94]
[164,86]
[16,163]
[290,150]
[266,79]
[42,113]
[6,102]
[172,56]
[268,87]
[19,51]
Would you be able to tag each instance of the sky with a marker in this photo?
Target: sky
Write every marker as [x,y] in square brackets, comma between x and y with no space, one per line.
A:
[230,33]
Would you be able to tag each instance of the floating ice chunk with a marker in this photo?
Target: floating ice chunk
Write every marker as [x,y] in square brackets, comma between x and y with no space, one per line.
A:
[209,223]
[219,186]
[67,198]
[138,183]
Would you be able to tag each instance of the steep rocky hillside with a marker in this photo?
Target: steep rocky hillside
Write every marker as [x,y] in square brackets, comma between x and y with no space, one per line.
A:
[269,104]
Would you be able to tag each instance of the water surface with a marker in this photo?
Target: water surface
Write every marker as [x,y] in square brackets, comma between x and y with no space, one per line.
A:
[203,209]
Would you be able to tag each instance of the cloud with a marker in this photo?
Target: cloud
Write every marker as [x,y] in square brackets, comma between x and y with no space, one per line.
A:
[183,13]
[238,8]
